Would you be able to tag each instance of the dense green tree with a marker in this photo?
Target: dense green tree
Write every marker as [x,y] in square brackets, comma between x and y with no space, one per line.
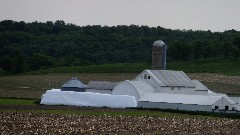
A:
[6,63]
[40,61]
[35,45]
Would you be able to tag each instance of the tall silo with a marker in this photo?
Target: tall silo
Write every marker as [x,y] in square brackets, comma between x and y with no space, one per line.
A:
[159,52]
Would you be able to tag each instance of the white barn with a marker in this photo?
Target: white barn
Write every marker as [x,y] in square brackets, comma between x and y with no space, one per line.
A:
[185,102]
[167,89]
[168,81]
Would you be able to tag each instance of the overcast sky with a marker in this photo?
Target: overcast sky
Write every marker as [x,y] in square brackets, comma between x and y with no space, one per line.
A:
[214,15]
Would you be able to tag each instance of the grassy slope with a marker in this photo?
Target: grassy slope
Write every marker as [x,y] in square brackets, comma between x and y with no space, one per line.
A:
[224,66]
[105,68]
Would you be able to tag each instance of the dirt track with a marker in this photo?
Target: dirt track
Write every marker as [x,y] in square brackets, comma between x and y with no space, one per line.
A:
[215,78]
[41,123]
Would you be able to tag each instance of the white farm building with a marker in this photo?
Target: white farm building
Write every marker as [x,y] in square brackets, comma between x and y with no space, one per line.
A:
[166,89]
[156,88]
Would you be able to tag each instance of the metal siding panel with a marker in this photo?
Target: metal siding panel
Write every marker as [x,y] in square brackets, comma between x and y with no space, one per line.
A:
[174,106]
[178,80]
[105,85]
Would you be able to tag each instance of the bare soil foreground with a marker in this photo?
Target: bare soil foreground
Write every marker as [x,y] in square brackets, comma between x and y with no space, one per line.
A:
[42,123]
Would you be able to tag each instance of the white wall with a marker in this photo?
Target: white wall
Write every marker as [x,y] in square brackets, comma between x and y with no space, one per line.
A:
[177,90]
[221,103]
[151,81]
[125,88]
[201,92]
[174,106]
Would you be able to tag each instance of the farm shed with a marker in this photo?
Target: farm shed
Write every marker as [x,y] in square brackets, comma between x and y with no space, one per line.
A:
[185,102]
[73,85]
[133,88]
[103,87]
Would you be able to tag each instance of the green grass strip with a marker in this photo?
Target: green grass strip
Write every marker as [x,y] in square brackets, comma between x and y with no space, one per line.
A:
[134,113]
[224,66]
[15,101]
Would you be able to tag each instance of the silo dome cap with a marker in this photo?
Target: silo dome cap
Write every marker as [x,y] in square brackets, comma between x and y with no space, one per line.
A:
[159,43]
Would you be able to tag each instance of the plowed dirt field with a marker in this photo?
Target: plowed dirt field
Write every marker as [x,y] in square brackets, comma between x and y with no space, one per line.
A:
[13,122]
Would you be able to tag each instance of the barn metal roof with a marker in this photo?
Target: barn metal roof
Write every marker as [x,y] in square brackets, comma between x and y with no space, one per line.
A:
[180,98]
[199,85]
[101,85]
[73,83]
[173,78]
[223,95]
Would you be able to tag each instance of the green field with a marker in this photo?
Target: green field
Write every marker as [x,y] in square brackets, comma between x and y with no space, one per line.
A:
[104,68]
[16,101]
[223,66]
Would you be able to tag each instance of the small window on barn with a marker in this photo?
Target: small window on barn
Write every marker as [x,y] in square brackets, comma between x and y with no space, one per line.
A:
[172,88]
[145,76]
[149,77]
[226,107]
[216,107]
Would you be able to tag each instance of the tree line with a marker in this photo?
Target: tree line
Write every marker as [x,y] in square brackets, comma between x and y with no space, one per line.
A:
[37,45]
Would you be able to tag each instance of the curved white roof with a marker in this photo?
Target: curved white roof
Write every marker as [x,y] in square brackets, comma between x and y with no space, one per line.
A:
[159,43]
[133,88]
[142,87]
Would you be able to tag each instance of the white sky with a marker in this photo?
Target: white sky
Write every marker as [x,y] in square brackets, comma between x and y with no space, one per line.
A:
[214,15]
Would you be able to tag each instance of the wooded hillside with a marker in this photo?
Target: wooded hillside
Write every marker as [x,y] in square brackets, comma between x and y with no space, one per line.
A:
[31,46]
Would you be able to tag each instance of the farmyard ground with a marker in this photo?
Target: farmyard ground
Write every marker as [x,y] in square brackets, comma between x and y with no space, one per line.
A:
[33,86]
[27,119]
